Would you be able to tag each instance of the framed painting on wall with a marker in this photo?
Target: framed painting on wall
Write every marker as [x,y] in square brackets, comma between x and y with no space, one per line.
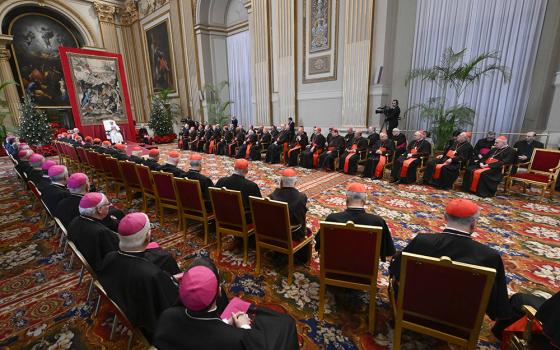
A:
[37,38]
[97,88]
[159,53]
[320,40]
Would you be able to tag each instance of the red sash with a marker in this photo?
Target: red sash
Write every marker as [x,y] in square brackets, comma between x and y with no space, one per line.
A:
[293,149]
[316,156]
[285,148]
[347,159]
[437,172]
[211,147]
[406,163]
[519,327]
[380,166]
[330,149]
[248,151]
[478,172]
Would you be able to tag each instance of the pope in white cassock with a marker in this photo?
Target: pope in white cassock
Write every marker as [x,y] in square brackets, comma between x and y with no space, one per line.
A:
[113,131]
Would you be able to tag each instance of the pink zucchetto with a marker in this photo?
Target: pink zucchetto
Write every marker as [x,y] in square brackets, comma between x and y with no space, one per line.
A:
[198,288]
[36,158]
[47,164]
[56,170]
[91,200]
[133,229]
[77,180]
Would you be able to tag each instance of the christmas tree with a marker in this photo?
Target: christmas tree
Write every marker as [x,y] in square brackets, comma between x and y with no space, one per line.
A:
[160,116]
[34,126]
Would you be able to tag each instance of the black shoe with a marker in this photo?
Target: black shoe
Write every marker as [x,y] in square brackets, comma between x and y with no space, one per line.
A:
[397,182]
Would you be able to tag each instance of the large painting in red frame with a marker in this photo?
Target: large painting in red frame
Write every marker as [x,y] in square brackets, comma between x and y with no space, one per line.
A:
[86,95]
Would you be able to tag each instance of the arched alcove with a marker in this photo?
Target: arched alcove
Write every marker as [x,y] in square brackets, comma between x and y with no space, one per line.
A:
[223,37]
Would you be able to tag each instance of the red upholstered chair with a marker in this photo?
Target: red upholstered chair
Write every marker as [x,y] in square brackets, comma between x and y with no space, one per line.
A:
[147,184]
[191,204]
[542,171]
[165,194]
[442,298]
[56,144]
[84,163]
[85,266]
[230,217]
[341,241]
[274,232]
[113,171]
[120,316]
[131,181]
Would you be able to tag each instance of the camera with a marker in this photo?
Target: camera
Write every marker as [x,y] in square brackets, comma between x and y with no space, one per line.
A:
[382,110]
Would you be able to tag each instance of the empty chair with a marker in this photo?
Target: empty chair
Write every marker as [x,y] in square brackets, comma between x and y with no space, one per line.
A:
[165,194]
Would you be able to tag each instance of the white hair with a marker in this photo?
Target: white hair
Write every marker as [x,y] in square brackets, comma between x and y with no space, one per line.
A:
[61,176]
[241,172]
[356,196]
[136,241]
[91,211]
[196,163]
[288,181]
[136,153]
[172,161]
[80,189]
[462,222]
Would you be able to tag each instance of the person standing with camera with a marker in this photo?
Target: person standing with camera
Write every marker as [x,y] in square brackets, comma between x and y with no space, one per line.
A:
[392,116]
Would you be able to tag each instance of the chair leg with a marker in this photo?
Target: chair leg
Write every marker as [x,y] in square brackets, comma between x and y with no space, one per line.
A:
[90,289]
[161,217]
[245,245]
[321,310]
[130,340]
[290,267]
[179,221]
[219,244]
[97,304]
[205,223]
[145,200]
[81,275]
[71,260]
[397,336]
[113,327]
[258,263]
[372,310]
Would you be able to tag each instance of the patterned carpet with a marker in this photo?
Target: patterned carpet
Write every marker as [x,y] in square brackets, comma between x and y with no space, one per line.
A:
[43,307]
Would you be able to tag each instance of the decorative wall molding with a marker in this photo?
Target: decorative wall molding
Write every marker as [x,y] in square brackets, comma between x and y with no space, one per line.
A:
[379,90]
[105,13]
[129,14]
[319,95]
[320,40]
[557,79]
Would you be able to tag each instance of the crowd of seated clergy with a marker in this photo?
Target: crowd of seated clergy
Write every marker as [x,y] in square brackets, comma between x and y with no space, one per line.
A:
[145,280]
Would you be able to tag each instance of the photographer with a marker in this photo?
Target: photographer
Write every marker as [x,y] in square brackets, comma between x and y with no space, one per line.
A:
[392,116]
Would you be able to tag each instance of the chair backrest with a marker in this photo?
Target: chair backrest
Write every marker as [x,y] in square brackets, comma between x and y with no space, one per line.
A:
[145,178]
[94,161]
[543,160]
[228,208]
[272,221]
[34,189]
[82,155]
[443,295]
[80,257]
[112,164]
[116,308]
[128,170]
[339,241]
[105,164]
[190,195]
[163,183]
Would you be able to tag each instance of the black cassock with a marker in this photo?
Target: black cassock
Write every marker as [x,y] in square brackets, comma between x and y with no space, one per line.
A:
[490,179]
[246,187]
[482,147]
[335,147]
[93,239]
[53,194]
[139,287]
[359,217]
[387,148]
[318,145]
[169,168]
[297,206]
[151,163]
[459,153]
[270,330]
[459,246]
[300,143]
[276,148]
[400,146]
[250,149]
[205,183]
[238,141]
[358,145]
[418,149]
[68,208]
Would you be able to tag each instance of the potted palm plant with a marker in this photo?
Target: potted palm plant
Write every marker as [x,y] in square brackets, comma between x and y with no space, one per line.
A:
[456,75]
[215,107]
[4,105]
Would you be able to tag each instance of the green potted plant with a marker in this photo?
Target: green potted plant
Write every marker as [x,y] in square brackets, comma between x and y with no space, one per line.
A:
[215,107]
[456,75]
[4,105]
